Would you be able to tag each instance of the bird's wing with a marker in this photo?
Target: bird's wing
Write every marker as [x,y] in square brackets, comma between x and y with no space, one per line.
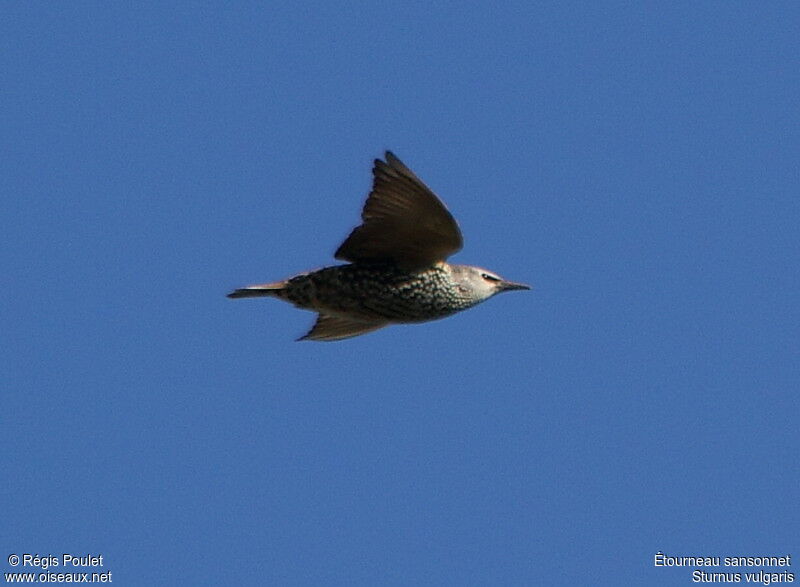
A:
[403,221]
[330,328]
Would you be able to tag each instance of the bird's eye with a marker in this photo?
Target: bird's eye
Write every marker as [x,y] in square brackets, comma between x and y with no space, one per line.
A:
[488,277]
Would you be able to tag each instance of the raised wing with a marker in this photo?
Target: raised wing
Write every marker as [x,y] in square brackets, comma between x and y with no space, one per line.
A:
[403,221]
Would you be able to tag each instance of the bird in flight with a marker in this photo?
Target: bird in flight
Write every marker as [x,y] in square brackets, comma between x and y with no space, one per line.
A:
[397,273]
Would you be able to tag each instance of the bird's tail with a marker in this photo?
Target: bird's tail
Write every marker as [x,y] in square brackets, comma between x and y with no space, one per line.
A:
[257,291]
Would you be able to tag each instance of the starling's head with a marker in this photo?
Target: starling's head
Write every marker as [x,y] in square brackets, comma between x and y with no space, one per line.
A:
[481,284]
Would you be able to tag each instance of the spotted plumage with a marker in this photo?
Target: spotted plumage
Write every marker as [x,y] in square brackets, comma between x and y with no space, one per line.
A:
[397,272]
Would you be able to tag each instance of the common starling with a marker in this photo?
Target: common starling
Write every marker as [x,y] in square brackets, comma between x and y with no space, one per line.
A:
[397,272]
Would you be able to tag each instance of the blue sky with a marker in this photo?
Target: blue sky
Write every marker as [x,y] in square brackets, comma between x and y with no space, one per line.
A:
[636,162]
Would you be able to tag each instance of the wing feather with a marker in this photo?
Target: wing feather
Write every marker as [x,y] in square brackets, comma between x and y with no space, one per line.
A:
[329,328]
[403,221]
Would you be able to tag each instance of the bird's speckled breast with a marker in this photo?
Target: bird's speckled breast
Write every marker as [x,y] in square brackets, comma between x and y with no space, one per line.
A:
[379,291]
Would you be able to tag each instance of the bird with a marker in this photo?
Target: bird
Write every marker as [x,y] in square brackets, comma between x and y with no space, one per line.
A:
[396,270]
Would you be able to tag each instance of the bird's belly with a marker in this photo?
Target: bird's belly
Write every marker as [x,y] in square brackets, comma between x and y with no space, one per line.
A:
[392,306]
[363,294]
[404,307]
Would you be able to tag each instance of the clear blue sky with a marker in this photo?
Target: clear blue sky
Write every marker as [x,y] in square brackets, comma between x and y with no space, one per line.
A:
[636,162]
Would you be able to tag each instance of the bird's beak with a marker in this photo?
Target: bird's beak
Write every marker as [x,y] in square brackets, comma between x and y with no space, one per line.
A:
[510,285]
